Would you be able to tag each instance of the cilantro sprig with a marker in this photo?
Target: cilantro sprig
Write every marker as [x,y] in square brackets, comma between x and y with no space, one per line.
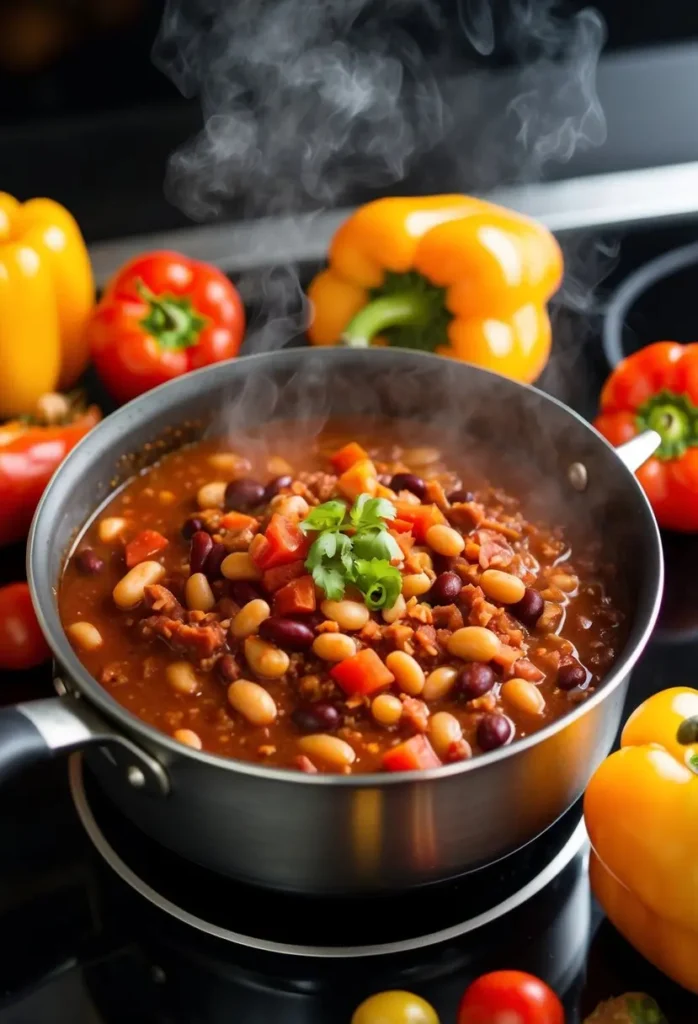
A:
[353,546]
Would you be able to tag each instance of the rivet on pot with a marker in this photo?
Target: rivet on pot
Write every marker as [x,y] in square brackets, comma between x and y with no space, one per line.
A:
[135,777]
[578,476]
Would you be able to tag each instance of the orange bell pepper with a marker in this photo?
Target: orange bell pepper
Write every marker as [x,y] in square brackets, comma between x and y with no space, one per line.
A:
[449,274]
[46,295]
[414,754]
[641,812]
[296,598]
[363,673]
[144,545]
[282,542]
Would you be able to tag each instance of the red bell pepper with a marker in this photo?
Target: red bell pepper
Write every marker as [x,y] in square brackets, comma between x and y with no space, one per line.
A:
[363,673]
[657,387]
[420,517]
[414,754]
[283,541]
[143,546]
[345,458]
[29,455]
[296,598]
[275,579]
[162,315]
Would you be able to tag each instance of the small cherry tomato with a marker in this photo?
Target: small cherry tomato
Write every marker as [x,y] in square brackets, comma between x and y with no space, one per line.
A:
[22,643]
[395,1008]
[510,997]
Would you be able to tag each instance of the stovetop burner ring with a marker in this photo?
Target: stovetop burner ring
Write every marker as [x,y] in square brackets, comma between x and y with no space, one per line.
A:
[571,849]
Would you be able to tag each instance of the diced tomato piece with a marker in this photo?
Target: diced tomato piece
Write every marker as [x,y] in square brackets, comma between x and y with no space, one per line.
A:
[286,543]
[347,456]
[414,754]
[363,673]
[361,478]
[296,598]
[420,517]
[405,541]
[238,521]
[143,546]
[275,579]
[400,526]
[385,492]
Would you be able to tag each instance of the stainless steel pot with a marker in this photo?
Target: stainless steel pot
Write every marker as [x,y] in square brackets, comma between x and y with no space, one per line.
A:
[318,833]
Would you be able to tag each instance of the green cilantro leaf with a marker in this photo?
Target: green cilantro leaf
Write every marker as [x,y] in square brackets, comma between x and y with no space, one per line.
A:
[693,762]
[379,582]
[376,543]
[329,516]
[364,558]
[331,578]
[368,512]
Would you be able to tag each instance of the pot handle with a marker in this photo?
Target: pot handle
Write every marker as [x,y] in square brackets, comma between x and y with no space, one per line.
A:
[42,729]
[637,451]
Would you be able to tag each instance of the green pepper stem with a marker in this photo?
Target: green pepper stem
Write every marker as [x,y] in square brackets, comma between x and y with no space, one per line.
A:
[171,319]
[396,310]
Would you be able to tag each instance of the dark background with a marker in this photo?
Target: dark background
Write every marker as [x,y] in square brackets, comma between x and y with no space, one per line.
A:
[87,118]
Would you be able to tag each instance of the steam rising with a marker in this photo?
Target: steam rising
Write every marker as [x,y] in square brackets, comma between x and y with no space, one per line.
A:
[301,98]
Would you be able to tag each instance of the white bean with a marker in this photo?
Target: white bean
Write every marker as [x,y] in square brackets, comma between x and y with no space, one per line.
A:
[85,635]
[349,615]
[330,749]
[415,585]
[386,709]
[408,673]
[189,738]
[211,495]
[249,618]
[444,730]
[445,540]
[334,646]
[198,593]
[111,528]
[252,701]
[473,643]
[391,615]
[130,589]
[240,566]
[264,659]
[182,677]
[439,683]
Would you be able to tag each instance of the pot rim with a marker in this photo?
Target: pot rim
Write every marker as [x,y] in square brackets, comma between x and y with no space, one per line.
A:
[47,612]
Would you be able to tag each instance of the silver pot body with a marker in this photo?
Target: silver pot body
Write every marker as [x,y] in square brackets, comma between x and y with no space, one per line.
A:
[316,833]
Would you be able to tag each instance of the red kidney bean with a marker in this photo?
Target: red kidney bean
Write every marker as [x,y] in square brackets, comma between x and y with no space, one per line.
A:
[201,544]
[242,592]
[243,495]
[286,633]
[475,680]
[445,588]
[88,562]
[529,609]
[192,526]
[317,717]
[214,559]
[276,485]
[570,674]
[409,482]
[228,669]
[493,731]
[460,496]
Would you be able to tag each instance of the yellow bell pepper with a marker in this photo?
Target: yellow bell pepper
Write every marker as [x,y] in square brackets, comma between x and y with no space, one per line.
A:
[641,811]
[448,274]
[46,294]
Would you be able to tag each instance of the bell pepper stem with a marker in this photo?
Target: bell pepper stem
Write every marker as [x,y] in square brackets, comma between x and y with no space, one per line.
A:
[396,310]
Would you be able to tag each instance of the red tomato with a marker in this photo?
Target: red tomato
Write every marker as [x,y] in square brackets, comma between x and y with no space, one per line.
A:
[22,643]
[162,315]
[510,997]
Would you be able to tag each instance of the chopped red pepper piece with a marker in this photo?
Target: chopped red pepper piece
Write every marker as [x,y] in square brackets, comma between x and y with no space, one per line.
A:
[414,754]
[296,598]
[143,546]
[345,458]
[275,579]
[361,478]
[363,673]
[238,521]
[285,542]
[421,518]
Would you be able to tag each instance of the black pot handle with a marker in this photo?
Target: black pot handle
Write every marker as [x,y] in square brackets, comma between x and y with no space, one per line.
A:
[42,729]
